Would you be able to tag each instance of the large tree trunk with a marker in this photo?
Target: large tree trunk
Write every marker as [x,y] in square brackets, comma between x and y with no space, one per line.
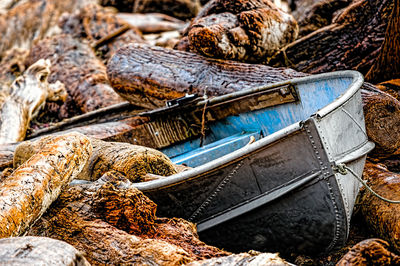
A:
[84,75]
[29,191]
[111,222]
[352,41]
[31,250]
[382,218]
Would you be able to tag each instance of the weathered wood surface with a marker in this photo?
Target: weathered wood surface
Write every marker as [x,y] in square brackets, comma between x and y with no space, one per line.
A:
[387,65]
[105,31]
[382,120]
[182,9]
[381,217]
[244,30]
[372,251]
[30,250]
[253,258]
[19,28]
[134,161]
[29,191]
[352,41]
[11,66]
[84,75]
[111,222]
[29,94]
[152,22]
[318,14]
[148,76]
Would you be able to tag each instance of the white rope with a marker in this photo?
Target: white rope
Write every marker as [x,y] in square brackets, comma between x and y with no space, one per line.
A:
[342,169]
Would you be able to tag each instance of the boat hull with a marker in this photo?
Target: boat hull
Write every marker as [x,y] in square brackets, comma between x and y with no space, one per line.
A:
[283,192]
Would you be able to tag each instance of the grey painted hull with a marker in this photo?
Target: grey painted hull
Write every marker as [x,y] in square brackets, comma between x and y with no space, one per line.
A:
[282,192]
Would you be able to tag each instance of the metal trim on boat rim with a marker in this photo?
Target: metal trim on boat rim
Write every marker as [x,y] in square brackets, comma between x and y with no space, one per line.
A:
[242,152]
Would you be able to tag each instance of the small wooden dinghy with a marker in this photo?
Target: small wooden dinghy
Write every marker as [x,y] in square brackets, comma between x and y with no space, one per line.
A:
[283,191]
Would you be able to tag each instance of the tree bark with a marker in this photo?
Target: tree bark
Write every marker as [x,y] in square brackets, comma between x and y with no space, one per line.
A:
[28,95]
[29,191]
[104,30]
[84,75]
[31,250]
[19,28]
[243,259]
[370,252]
[111,222]
[387,65]
[148,76]
[244,30]
[134,161]
[382,121]
[382,217]
[352,41]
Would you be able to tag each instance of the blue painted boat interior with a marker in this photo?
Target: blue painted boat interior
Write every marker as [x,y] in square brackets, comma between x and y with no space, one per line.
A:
[234,132]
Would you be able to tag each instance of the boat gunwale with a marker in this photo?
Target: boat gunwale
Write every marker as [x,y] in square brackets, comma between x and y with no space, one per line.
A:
[357,81]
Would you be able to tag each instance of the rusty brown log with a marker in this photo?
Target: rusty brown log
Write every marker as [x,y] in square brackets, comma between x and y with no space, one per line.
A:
[111,222]
[370,252]
[29,191]
[30,250]
[134,161]
[29,94]
[318,14]
[19,28]
[105,31]
[382,217]
[84,75]
[382,120]
[352,41]
[148,76]
[244,30]
[387,65]
[182,9]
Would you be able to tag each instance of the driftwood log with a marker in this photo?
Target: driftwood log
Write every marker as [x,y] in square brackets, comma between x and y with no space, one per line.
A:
[182,9]
[360,31]
[152,22]
[11,67]
[318,14]
[382,120]
[387,65]
[245,30]
[28,95]
[29,191]
[104,30]
[31,250]
[382,217]
[253,258]
[111,222]
[135,162]
[372,251]
[84,75]
[19,28]
[148,76]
